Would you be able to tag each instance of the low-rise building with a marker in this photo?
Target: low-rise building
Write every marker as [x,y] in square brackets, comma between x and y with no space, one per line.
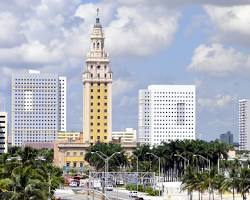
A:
[70,155]
[69,136]
[126,136]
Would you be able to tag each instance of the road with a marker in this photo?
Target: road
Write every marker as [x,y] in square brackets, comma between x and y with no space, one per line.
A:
[122,194]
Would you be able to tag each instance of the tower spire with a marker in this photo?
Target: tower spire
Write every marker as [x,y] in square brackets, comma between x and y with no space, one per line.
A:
[97,16]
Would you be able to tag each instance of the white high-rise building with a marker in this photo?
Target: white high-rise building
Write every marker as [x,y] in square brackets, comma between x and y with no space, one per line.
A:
[244,124]
[3,132]
[38,107]
[62,103]
[167,112]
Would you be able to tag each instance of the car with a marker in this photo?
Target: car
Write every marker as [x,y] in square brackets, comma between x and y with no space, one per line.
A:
[119,182]
[73,184]
[109,188]
[139,198]
[133,194]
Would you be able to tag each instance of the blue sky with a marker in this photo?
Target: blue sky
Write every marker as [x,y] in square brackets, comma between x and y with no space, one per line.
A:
[205,43]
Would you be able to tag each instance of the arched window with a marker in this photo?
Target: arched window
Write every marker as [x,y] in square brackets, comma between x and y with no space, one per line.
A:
[98,45]
[98,67]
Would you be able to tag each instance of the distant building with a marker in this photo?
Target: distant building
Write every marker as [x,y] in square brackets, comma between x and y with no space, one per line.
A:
[38,107]
[126,136]
[69,136]
[244,124]
[3,132]
[227,138]
[166,113]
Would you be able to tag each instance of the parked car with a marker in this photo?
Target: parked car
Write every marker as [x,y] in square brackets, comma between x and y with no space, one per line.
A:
[119,182]
[139,198]
[73,184]
[109,188]
[133,194]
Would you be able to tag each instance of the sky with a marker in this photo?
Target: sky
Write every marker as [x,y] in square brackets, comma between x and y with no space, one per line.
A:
[200,42]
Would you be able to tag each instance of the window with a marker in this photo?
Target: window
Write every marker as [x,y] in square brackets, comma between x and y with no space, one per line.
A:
[98,130]
[91,137]
[91,97]
[98,137]
[74,164]
[98,117]
[91,90]
[105,137]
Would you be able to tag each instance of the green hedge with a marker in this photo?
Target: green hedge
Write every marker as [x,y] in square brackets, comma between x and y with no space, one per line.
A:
[149,190]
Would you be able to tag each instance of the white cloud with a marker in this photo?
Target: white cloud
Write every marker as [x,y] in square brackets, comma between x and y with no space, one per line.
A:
[122,86]
[218,60]
[9,33]
[231,23]
[141,30]
[230,19]
[219,101]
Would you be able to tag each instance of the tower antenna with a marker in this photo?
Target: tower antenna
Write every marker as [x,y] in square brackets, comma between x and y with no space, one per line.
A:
[97,12]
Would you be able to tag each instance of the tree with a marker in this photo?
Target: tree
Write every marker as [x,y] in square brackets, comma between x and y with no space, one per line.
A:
[107,149]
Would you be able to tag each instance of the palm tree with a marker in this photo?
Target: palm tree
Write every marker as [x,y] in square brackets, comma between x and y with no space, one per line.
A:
[220,184]
[189,181]
[244,182]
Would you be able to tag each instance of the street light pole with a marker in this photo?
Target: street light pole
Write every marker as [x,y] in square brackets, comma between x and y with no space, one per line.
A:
[209,167]
[105,169]
[106,159]
[159,159]
[137,172]
[184,158]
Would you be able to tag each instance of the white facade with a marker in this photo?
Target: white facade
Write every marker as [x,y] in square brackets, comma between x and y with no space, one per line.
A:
[3,132]
[126,136]
[166,113]
[37,111]
[244,124]
[62,103]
